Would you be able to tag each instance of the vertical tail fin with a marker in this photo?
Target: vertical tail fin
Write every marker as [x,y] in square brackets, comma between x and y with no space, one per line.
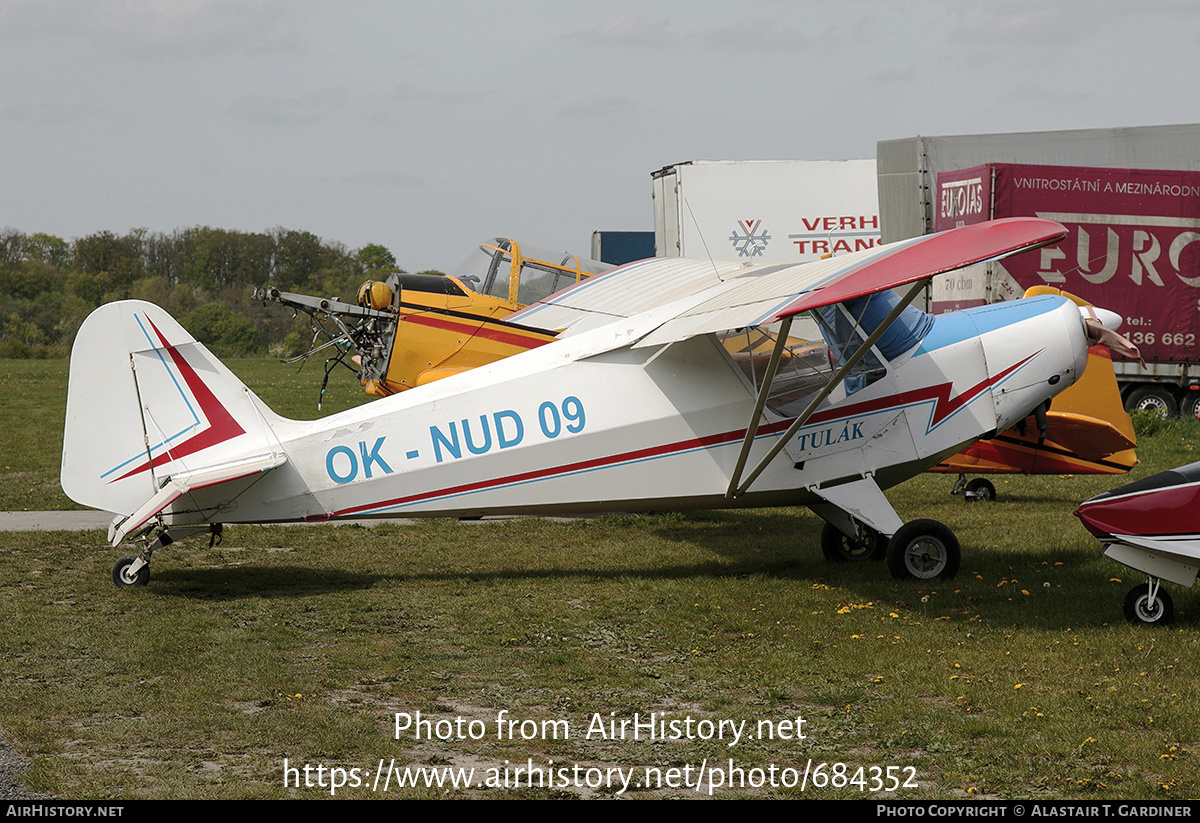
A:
[148,406]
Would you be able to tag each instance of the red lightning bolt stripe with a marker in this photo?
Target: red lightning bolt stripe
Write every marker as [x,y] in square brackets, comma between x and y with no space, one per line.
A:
[944,406]
[221,425]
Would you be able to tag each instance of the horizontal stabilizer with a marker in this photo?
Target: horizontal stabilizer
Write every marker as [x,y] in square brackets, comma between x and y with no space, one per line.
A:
[177,485]
[1089,437]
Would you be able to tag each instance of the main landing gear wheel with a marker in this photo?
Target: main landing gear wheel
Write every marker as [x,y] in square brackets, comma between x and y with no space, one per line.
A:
[923,550]
[980,490]
[1149,604]
[839,548]
[124,575]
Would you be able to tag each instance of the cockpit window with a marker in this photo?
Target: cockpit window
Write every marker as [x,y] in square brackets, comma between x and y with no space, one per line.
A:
[538,272]
[902,336]
[845,326]
[819,342]
[842,335]
[804,366]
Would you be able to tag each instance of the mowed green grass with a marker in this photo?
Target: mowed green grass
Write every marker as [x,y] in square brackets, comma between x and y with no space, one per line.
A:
[1019,678]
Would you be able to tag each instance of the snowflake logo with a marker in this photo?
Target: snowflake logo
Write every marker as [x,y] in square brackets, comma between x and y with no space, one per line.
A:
[749,238]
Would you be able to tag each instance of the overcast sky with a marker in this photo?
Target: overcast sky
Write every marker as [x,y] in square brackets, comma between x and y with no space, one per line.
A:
[430,126]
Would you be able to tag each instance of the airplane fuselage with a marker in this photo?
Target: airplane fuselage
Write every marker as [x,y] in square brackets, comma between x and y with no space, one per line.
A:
[583,425]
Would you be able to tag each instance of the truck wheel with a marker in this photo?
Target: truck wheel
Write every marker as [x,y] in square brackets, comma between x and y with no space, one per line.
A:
[1152,398]
[1190,407]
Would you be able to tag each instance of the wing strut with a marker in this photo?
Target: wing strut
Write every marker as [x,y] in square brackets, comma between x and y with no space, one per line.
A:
[736,490]
[768,378]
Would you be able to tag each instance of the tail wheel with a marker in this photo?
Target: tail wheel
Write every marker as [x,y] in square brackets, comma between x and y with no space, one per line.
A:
[1149,605]
[839,548]
[923,550]
[124,575]
[979,489]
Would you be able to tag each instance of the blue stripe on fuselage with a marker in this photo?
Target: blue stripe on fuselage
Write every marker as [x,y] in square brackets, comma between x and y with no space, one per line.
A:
[965,324]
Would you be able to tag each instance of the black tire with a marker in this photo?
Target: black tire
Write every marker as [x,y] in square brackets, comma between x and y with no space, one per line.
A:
[980,490]
[1141,610]
[923,550]
[1152,398]
[122,577]
[1190,407]
[838,548]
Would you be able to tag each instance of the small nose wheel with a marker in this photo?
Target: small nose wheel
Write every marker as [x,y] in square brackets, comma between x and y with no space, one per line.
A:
[1149,604]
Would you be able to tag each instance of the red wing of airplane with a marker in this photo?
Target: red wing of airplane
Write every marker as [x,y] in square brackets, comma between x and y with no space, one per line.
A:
[713,296]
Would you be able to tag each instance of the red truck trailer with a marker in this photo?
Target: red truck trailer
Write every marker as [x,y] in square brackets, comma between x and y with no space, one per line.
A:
[1133,246]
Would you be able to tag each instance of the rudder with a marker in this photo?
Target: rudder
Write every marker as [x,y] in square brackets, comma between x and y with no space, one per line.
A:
[145,401]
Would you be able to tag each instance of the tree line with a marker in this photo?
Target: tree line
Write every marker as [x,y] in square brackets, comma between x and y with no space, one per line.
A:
[203,276]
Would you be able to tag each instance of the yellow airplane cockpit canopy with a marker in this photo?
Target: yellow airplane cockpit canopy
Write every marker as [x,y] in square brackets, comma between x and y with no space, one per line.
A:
[522,274]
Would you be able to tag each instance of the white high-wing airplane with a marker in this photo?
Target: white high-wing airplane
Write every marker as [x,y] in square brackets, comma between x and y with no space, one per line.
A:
[673,383]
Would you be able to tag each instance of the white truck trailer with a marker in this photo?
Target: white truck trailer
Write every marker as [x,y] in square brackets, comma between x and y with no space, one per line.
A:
[765,211]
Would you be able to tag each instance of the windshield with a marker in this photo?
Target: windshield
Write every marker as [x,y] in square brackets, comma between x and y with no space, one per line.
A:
[804,366]
[539,272]
[868,312]
[821,340]
[845,327]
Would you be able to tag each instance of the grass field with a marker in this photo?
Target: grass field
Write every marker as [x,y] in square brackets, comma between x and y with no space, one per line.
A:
[1019,678]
